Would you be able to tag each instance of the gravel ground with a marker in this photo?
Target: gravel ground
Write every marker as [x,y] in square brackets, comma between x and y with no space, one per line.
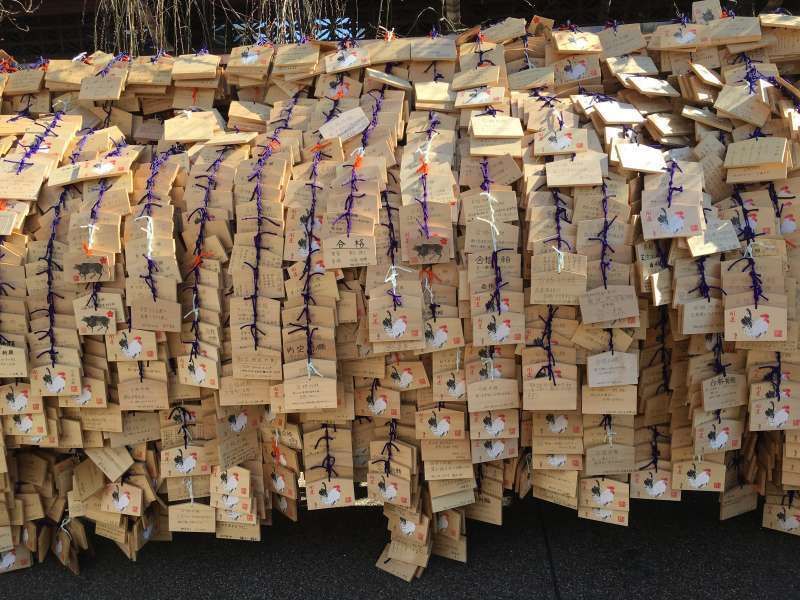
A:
[543,551]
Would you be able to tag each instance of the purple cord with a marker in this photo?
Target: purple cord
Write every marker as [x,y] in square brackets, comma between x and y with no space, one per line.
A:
[673,166]
[702,286]
[38,140]
[602,237]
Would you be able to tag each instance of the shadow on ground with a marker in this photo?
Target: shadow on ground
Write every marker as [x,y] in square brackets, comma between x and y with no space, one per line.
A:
[670,550]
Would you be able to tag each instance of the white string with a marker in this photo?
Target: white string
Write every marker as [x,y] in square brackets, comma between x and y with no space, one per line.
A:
[489,363]
[490,200]
[187,481]
[425,149]
[559,259]
[388,32]
[610,433]
[149,230]
[63,526]
[79,57]
[92,227]
[391,275]
[428,289]
[311,369]
[458,359]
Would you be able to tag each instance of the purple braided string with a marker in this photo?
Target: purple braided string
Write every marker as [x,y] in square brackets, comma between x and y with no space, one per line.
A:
[602,237]
[673,166]
[560,216]
[50,267]
[756,283]
[777,204]
[546,343]
[38,141]
[122,56]
[702,286]
[257,196]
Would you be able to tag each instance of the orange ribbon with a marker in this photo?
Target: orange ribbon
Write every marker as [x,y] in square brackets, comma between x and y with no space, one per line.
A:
[320,145]
[198,259]
[339,94]
[86,250]
[276,451]
[423,168]
[430,275]
[274,143]
[194,96]
[358,162]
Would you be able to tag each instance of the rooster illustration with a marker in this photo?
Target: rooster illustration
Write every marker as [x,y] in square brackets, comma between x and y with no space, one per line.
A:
[238,422]
[83,398]
[283,505]
[395,328]
[23,423]
[494,448]
[557,423]
[407,527]
[788,224]
[120,500]
[684,36]
[198,372]
[673,225]
[17,402]
[130,348]
[229,481]
[754,328]
[455,387]
[494,427]
[442,522]
[377,406]
[556,460]
[698,480]
[602,497]
[707,16]
[229,501]
[560,142]
[786,521]
[602,513]
[185,464]
[439,428]
[486,373]
[710,341]
[577,43]
[655,488]
[232,515]
[575,70]
[278,482]
[54,383]
[498,332]
[777,418]
[317,223]
[388,489]
[752,220]
[438,338]
[718,439]
[302,246]
[404,379]
[329,497]
[7,560]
